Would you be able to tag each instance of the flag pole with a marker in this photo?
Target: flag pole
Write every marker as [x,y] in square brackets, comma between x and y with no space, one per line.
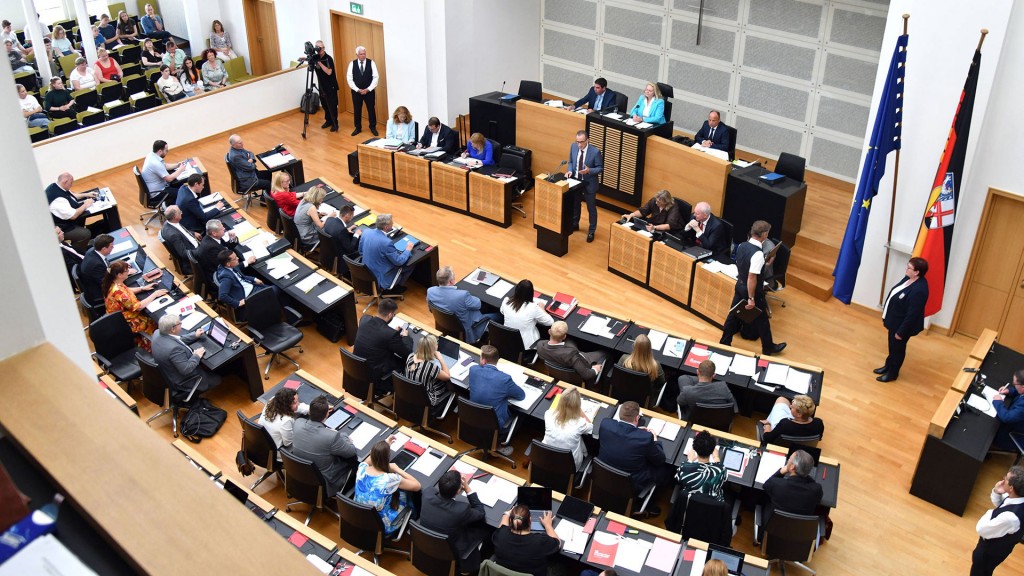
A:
[984,32]
[895,179]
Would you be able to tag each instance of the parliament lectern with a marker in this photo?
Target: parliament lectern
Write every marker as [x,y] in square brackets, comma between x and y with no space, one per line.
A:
[552,215]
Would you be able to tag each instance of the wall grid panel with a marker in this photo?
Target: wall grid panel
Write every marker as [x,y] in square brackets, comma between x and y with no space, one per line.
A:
[791,75]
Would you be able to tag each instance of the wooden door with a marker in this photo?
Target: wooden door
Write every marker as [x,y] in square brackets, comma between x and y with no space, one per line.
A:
[348,32]
[993,292]
[261,28]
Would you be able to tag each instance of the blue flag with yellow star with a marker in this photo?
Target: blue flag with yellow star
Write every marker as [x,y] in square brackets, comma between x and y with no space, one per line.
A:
[885,137]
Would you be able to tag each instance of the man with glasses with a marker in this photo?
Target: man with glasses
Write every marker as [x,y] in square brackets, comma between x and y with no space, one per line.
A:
[178,362]
[585,165]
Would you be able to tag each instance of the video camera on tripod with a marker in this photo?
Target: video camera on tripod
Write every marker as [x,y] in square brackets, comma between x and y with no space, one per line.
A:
[312,56]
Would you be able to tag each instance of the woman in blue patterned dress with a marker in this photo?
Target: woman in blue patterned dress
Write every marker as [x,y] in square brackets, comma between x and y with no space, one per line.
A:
[377,482]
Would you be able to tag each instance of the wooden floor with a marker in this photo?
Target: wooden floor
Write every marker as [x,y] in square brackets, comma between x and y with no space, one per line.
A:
[876,430]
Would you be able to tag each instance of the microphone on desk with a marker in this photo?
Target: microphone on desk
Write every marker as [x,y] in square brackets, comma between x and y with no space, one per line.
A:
[556,175]
[972,370]
[502,90]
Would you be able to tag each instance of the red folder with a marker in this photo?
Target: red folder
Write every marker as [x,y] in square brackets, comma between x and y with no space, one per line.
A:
[616,527]
[414,448]
[698,353]
[298,539]
[293,384]
[603,548]
[349,408]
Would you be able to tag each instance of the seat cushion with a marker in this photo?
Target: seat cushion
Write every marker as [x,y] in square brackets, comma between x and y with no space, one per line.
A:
[125,367]
[280,337]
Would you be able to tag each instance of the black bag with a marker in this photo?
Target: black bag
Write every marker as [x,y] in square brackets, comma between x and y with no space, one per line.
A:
[330,326]
[202,421]
[310,103]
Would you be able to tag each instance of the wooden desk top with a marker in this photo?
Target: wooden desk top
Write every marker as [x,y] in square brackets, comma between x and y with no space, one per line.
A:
[367,411]
[200,460]
[119,392]
[298,526]
[434,444]
[644,527]
[483,467]
[984,344]
[327,388]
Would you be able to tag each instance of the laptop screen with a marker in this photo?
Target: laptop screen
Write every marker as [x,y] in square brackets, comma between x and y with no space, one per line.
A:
[219,332]
[235,490]
[575,509]
[534,498]
[448,348]
[733,559]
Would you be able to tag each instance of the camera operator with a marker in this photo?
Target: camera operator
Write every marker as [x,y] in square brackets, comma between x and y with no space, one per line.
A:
[322,62]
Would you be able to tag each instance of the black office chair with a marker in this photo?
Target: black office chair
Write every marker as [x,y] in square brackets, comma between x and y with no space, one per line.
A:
[667,93]
[522,164]
[621,103]
[93,309]
[269,328]
[304,482]
[685,211]
[432,553]
[628,385]
[273,216]
[716,415]
[789,538]
[446,323]
[154,203]
[260,449]
[495,151]
[530,90]
[115,347]
[328,255]
[776,281]
[412,403]
[357,377]
[791,166]
[180,261]
[612,490]
[291,232]
[732,142]
[364,282]
[563,374]
[732,239]
[362,528]
[62,126]
[555,468]
[201,285]
[156,389]
[249,193]
[478,427]
[130,53]
[509,343]
[708,519]
[787,440]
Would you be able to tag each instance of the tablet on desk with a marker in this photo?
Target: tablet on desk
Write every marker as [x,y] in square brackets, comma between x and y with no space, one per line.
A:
[732,460]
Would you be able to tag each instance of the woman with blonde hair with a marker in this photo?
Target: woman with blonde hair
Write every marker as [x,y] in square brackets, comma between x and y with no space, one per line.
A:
[426,366]
[307,215]
[400,126]
[792,418]
[566,423]
[650,107]
[60,41]
[715,568]
[480,148]
[281,192]
[641,359]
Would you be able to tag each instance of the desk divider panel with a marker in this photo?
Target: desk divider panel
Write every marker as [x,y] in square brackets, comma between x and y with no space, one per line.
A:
[449,185]
[547,203]
[375,167]
[487,198]
[944,413]
[671,272]
[712,294]
[547,132]
[686,173]
[412,175]
[629,253]
[984,344]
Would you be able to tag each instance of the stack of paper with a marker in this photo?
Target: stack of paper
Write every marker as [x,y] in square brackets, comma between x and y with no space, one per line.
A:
[598,326]
[310,282]
[770,463]
[776,374]
[722,362]
[980,404]
[275,160]
[574,539]
[632,553]
[210,199]
[532,394]
[194,319]
[797,381]
[663,555]
[657,339]
[500,288]
[281,265]
[460,370]
[333,295]
[362,435]
[427,463]
[743,365]
[674,347]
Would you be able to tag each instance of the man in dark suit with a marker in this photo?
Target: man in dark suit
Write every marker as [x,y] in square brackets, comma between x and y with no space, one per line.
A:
[330,451]
[749,292]
[344,235]
[179,364]
[708,231]
[438,135]
[791,489]
[585,165]
[599,98]
[233,286]
[713,134]
[462,522]
[558,350]
[193,215]
[634,450]
[94,267]
[702,388]
[178,240]
[903,316]
[383,347]
[217,239]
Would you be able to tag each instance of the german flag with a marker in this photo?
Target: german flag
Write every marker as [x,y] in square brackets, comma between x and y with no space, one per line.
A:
[936,234]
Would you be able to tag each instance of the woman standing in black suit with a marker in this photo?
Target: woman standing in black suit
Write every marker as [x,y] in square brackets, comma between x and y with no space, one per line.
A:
[903,316]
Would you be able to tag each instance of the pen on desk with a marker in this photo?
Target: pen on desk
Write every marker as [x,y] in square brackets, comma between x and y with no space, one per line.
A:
[479,476]
[621,330]
[823,473]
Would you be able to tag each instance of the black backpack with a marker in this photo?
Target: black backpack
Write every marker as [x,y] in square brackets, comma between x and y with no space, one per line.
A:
[202,421]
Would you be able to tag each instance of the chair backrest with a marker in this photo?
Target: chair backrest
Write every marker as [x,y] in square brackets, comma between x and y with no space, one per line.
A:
[231,173]
[713,415]
[531,90]
[707,519]
[432,553]
[360,525]
[621,102]
[787,441]
[133,84]
[791,166]
[87,118]
[109,91]
[302,479]
[291,232]
[552,467]
[790,536]
[273,215]
[626,385]
[262,310]
[562,373]
[666,91]
[447,324]
[147,103]
[732,142]
[729,231]
[199,280]
[357,377]
[610,488]
[131,53]
[363,280]
[411,400]
[86,98]
[507,340]
[154,385]
[495,151]
[517,163]
[478,425]
[62,126]
[111,335]
[67,63]
[258,445]
[780,266]
[685,209]
[491,567]
[176,258]
[328,255]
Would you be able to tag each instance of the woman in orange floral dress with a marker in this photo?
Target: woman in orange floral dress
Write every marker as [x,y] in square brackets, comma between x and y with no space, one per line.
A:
[121,298]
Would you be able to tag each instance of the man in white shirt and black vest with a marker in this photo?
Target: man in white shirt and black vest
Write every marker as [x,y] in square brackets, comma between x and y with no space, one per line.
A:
[749,293]
[362,79]
[1001,528]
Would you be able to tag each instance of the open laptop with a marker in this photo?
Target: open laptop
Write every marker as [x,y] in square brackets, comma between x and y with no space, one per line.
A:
[639,223]
[449,350]
[215,338]
[733,559]
[813,451]
[538,500]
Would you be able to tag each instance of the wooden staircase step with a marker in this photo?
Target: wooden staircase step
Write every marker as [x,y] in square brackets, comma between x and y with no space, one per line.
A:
[816,284]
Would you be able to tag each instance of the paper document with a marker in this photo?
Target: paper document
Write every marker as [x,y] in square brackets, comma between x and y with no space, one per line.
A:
[776,374]
[797,381]
[532,394]
[138,95]
[644,125]
[210,199]
[669,431]
[398,324]
[319,564]
[122,246]
[263,239]
[437,154]
[632,553]
[310,282]
[362,435]
[722,363]
[742,163]
[45,555]
[427,463]
[460,370]
[630,122]
[663,555]
[500,288]
[597,325]
[770,463]
[505,490]
[614,116]
[515,371]
[248,232]
[465,469]
[488,497]
[699,559]
[159,303]
[981,404]
[258,251]
[554,103]
[333,295]
[399,441]
[574,540]
[657,339]
[674,347]
[467,161]
[743,365]
[275,160]
[194,319]
[282,270]
[591,407]
[572,182]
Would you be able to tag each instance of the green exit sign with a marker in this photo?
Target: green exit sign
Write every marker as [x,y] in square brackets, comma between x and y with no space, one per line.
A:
[355,8]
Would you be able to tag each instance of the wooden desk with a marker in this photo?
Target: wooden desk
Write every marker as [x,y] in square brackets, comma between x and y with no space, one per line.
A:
[412,176]
[687,173]
[984,344]
[490,199]
[548,132]
[117,392]
[450,186]
[198,459]
[376,167]
[671,273]
[629,252]
[752,565]
[645,532]
[712,294]
[357,560]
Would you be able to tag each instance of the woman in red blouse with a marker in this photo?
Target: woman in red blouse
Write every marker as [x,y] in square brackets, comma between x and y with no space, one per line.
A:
[281,191]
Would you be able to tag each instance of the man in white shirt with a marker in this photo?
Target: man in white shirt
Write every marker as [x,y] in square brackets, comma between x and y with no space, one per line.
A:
[68,210]
[749,292]
[362,80]
[9,35]
[157,172]
[1001,528]
[178,240]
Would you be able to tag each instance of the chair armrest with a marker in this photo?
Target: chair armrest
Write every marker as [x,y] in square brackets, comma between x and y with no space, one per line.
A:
[102,360]
[256,334]
[294,313]
[511,429]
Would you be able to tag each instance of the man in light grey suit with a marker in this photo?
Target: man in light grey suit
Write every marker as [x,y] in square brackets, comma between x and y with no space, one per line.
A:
[704,389]
[331,451]
[462,304]
[178,362]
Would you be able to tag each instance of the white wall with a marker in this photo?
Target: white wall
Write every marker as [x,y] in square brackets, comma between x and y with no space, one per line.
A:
[297,23]
[943,36]
[233,19]
[221,111]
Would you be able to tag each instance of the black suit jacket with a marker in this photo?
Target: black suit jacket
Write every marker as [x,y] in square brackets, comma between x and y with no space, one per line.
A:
[90,276]
[905,312]
[177,245]
[206,255]
[631,450]
[720,141]
[447,139]
[607,100]
[382,346]
[793,494]
[453,518]
[715,238]
[193,216]
[344,241]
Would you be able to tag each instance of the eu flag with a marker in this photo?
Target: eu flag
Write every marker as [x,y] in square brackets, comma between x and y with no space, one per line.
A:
[885,137]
